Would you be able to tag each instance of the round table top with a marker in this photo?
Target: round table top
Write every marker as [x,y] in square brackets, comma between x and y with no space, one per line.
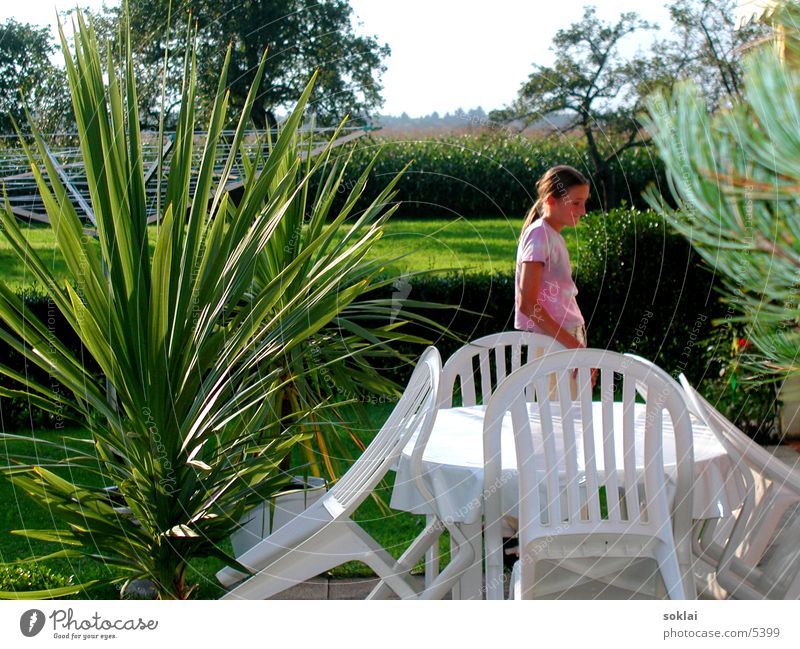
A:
[453,464]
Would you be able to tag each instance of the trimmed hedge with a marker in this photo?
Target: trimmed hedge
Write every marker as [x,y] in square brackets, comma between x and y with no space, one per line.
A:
[487,175]
[643,289]
[666,302]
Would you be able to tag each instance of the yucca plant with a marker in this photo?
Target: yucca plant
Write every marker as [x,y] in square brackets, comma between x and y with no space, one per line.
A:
[735,178]
[337,365]
[196,342]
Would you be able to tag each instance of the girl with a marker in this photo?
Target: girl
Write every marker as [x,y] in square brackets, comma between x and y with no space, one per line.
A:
[545,293]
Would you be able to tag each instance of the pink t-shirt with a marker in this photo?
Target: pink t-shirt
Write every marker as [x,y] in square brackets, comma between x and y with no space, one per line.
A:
[540,242]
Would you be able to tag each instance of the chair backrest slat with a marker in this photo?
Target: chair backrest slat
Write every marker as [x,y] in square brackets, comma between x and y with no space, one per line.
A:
[653,455]
[610,481]
[469,395]
[552,507]
[589,448]
[500,362]
[516,355]
[485,373]
[629,444]
[511,349]
[573,478]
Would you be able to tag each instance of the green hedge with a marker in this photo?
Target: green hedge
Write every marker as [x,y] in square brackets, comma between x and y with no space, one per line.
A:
[487,175]
[666,302]
[643,289]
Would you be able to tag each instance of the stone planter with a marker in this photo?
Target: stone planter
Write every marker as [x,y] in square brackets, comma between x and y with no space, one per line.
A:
[272,514]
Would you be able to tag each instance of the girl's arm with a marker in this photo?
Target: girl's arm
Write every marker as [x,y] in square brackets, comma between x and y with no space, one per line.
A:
[530,283]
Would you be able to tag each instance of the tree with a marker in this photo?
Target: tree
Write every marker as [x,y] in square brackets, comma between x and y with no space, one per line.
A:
[28,78]
[592,83]
[301,37]
[603,93]
[734,175]
[706,47]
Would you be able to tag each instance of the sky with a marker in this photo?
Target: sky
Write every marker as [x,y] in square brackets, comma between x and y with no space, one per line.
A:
[446,54]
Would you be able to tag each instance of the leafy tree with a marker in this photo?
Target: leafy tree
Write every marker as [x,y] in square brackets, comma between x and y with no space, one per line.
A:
[706,47]
[301,37]
[592,83]
[28,78]
[603,92]
[734,175]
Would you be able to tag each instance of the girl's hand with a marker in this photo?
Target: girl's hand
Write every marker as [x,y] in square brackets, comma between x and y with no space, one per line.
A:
[594,376]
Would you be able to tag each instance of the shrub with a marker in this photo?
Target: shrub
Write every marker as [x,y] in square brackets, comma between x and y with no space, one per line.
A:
[643,289]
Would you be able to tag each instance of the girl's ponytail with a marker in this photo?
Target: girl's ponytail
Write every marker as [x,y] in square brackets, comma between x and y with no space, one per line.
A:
[557,180]
[533,214]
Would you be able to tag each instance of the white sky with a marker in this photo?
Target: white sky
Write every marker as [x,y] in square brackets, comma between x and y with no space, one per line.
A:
[446,54]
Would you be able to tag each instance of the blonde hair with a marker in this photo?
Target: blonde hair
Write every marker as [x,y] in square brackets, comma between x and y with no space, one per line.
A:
[557,180]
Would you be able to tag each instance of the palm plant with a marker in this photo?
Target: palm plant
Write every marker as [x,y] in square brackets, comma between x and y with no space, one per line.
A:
[197,342]
[336,365]
[735,178]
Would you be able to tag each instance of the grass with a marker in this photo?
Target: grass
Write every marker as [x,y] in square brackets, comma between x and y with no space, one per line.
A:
[458,245]
[15,272]
[394,530]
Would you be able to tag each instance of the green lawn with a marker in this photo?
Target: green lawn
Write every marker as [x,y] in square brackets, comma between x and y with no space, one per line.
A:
[15,272]
[458,245]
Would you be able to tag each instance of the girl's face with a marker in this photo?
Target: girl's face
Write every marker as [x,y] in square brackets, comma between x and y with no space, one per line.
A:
[564,211]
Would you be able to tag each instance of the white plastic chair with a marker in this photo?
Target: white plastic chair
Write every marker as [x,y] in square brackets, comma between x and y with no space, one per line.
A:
[509,350]
[324,535]
[746,567]
[560,507]
[477,369]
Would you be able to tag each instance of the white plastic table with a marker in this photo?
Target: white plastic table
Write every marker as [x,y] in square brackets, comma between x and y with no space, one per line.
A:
[453,469]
